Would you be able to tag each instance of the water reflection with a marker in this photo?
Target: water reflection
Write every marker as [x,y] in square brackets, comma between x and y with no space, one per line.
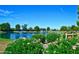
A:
[10,35]
[5,35]
[20,35]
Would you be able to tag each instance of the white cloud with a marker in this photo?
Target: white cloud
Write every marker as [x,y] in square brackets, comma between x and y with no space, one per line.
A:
[5,12]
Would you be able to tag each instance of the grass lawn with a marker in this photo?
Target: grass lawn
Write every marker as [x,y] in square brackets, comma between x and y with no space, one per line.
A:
[3,44]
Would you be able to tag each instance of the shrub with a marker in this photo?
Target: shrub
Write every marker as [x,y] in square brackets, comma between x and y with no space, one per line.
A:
[52,37]
[24,47]
[63,47]
[77,50]
[39,36]
[73,41]
[52,49]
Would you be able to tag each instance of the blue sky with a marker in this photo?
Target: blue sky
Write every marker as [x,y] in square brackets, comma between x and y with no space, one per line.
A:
[53,16]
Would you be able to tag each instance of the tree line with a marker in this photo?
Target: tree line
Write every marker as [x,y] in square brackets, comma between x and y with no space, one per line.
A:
[18,27]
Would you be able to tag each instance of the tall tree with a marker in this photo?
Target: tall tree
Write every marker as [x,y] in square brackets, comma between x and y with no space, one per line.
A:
[0,27]
[69,28]
[43,29]
[24,27]
[74,28]
[78,11]
[77,23]
[63,28]
[48,28]
[5,27]
[18,27]
[36,28]
[30,29]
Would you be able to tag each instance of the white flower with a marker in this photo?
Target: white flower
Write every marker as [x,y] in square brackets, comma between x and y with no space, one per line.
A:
[28,43]
[24,38]
[77,43]
[74,47]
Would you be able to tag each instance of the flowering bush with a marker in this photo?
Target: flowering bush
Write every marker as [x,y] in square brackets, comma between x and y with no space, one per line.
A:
[52,37]
[54,46]
[24,47]
[63,47]
[39,36]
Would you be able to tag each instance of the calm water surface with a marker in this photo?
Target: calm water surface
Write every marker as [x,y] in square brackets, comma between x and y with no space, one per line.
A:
[13,36]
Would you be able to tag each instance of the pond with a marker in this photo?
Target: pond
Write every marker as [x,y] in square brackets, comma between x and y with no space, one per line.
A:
[13,35]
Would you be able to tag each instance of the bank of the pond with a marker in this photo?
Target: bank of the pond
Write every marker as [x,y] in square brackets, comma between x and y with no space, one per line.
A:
[3,44]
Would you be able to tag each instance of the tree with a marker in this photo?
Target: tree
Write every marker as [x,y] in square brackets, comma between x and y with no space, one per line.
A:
[77,23]
[74,28]
[30,29]
[24,27]
[69,28]
[48,28]
[43,29]
[78,12]
[63,28]
[5,27]
[13,29]
[17,27]
[54,29]
[36,28]
[0,27]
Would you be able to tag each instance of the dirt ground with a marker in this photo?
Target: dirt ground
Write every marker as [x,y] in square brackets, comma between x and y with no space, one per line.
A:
[3,45]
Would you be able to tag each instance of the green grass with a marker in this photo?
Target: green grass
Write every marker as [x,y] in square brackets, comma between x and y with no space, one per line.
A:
[4,39]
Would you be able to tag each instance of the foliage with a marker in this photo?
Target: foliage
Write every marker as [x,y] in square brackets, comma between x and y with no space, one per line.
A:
[24,46]
[39,36]
[73,41]
[52,37]
[17,27]
[63,28]
[52,49]
[43,29]
[48,28]
[69,28]
[5,27]
[77,23]
[63,47]
[24,27]
[74,28]
[29,46]
[36,28]
[12,29]
[30,29]
[58,48]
